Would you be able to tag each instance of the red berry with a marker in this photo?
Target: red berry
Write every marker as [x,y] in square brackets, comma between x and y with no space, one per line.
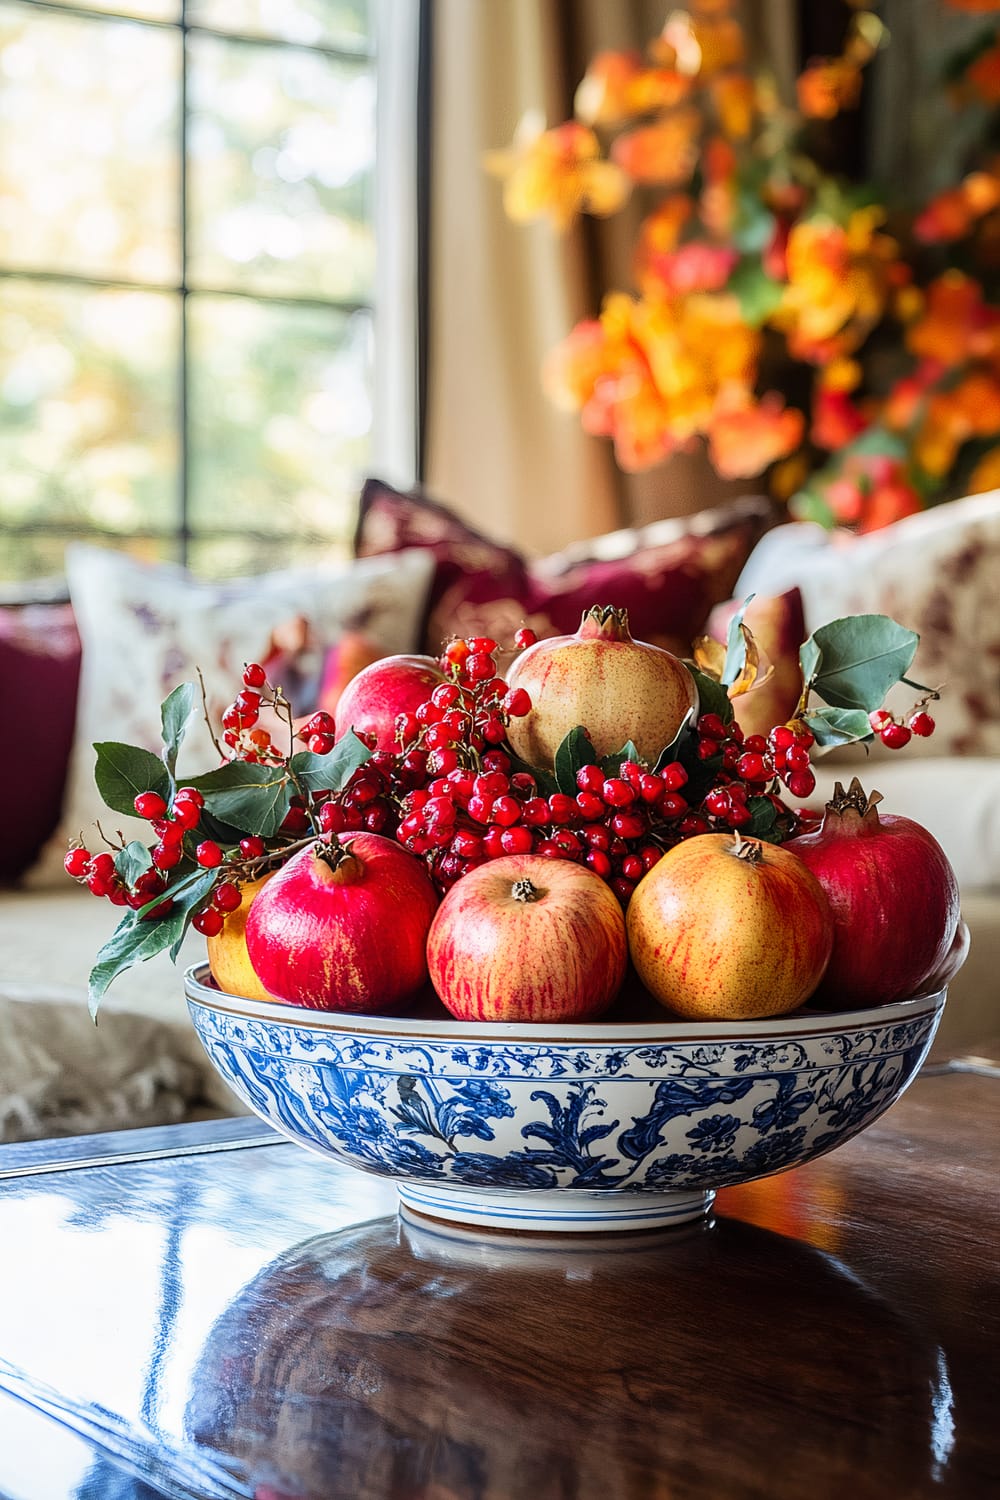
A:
[597,836]
[295,821]
[480,667]
[208,922]
[189,794]
[617,793]
[781,737]
[674,776]
[254,675]
[482,645]
[879,719]
[801,783]
[456,653]
[517,703]
[480,808]
[751,766]
[467,844]
[598,862]
[442,762]
[185,813]
[650,856]
[535,812]
[673,806]
[623,889]
[506,811]
[550,850]
[252,847]
[321,744]
[407,727]
[493,842]
[922,724]
[650,787]
[165,856]
[796,758]
[446,695]
[494,731]
[562,809]
[590,779]
[895,736]
[517,841]
[707,749]
[227,896]
[150,805]
[497,760]
[524,638]
[208,854]
[633,867]
[332,819]
[591,806]
[629,825]
[711,727]
[76,862]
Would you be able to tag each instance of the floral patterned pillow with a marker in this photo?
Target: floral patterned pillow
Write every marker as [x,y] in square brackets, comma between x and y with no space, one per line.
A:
[145,629]
[937,573]
[667,575]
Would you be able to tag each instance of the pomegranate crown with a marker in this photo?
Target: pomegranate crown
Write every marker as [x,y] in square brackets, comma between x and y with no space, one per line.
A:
[605,622]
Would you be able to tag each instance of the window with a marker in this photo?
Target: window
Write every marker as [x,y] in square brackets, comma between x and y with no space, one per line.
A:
[187,277]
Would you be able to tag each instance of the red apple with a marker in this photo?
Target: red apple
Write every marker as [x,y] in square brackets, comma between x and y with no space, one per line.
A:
[343,926]
[528,939]
[725,928]
[373,700]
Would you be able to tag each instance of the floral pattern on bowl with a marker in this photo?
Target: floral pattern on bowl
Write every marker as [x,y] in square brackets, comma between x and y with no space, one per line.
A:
[613,1125]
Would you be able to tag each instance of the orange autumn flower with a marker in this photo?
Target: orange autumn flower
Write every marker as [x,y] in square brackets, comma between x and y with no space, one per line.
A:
[658,237]
[652,380]
[838,284]
[744,439]
[703,44]
[618,86]
[951,215]
[836,420]
[973,7]
[557,173]
[693,267]
[957,324]
[907,397]
[827,87]
[661,154]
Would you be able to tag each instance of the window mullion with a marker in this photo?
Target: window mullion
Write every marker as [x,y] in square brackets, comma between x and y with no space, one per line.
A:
[183,468]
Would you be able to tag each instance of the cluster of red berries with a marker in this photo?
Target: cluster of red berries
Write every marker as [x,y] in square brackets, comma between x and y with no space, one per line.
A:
[242,732]
[895,733]
[452,794]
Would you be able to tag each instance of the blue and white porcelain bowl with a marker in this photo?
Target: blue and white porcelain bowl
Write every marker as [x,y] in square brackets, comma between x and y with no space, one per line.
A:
[613,1125]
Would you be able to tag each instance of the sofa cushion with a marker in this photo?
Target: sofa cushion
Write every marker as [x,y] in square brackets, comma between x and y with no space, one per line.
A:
[39,670]
[667,575]
[147,628]
[937,573]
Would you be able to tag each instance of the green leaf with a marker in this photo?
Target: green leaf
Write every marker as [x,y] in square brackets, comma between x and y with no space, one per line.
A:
[809,659]
[610,764]
[672,752]
[123,771]
[135,940]
[132,861]
[575,751]
[253,799]
[736,646]
[763,817]
[331,772]
[544,780]
[809,505]
[176,712]
[861,658]
[838,726]
[712,696]
[754,226]
[757,293]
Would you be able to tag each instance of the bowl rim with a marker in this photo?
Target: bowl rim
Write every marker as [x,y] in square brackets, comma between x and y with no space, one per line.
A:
[804,1022]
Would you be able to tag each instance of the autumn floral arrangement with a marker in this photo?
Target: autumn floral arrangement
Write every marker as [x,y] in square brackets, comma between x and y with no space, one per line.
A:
[840,345]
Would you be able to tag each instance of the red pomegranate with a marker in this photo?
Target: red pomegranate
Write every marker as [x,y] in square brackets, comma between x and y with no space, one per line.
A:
[373,700]
[894,899]
[343,926]
[619,688]
[528,939]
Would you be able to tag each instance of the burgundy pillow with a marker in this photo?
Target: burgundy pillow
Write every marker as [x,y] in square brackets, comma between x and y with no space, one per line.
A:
[668,575]
[39,677]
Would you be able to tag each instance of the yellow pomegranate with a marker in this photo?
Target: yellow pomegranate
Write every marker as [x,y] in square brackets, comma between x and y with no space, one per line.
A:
[619,688]
[228,958]
[725,928]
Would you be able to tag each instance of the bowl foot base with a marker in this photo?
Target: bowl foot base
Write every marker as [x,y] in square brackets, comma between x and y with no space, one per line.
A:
[555,1212]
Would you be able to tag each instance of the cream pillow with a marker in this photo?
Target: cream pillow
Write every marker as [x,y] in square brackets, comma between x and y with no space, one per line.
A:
[144,629]
[937,573]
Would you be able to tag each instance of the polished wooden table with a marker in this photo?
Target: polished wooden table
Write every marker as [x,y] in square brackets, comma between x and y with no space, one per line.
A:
[208,1311]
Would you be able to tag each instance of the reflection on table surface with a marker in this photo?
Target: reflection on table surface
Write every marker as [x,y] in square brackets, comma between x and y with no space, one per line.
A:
[258,1322]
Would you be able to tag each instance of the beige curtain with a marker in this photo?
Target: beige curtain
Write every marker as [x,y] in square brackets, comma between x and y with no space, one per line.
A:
[501,295]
